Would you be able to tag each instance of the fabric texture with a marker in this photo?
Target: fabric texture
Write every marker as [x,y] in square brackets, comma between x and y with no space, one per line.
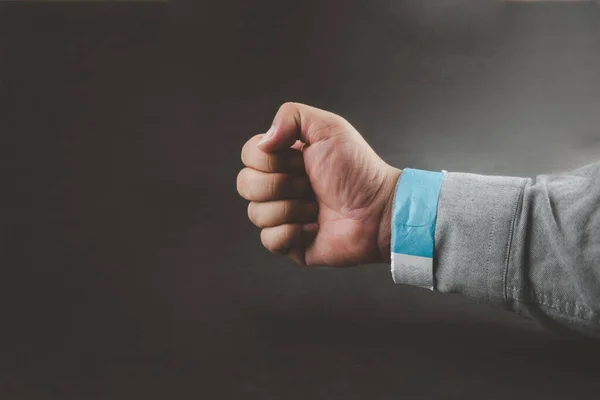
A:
[527,245]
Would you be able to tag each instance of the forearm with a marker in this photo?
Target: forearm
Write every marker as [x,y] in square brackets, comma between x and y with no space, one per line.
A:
[531,246]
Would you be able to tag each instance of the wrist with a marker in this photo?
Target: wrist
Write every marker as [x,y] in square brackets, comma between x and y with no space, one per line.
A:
[384,235]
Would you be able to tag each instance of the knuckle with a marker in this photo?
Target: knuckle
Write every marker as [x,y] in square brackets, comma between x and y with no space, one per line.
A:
[247,150]
[265,240]
[340,121]
[285,210]
[244,155]
[327,129]
[256,213]
[277,239]
[287,106]
[270,164]
[287,236]
[241,183]
[271,187]
[252,212]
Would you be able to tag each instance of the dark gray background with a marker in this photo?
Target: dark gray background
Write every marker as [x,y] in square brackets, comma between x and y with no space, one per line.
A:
[128,267]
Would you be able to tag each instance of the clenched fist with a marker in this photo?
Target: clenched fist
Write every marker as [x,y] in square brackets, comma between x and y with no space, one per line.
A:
[318,191]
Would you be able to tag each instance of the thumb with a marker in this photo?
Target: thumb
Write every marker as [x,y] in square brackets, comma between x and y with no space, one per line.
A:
[296,121]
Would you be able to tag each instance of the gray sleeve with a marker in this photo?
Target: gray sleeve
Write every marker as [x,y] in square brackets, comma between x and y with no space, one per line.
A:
[527,245]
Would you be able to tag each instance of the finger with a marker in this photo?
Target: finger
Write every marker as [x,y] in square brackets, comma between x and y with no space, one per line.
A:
[289,239]
[274,213]
[254,185]
[296,121]
[286,160]
[299,145]
[298,252]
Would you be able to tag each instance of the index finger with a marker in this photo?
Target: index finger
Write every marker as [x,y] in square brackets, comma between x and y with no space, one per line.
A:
[288,160]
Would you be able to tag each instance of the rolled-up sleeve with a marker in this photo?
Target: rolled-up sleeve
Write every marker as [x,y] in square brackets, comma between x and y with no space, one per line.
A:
[528,245]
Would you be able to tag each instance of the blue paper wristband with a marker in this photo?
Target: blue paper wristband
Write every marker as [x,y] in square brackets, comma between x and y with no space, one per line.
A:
[413,227]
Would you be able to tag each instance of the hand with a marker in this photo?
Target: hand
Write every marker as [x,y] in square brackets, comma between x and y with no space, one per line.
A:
[320,193]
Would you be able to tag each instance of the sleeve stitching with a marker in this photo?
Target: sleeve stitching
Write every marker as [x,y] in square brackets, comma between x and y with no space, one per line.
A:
[545,300]
[513,223]
[582,319]
[489,250]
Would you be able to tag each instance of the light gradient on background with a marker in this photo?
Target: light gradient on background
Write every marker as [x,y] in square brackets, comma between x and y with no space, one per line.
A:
[129,269]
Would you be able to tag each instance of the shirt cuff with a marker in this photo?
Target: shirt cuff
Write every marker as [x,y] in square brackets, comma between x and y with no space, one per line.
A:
[475,220]
[414,216]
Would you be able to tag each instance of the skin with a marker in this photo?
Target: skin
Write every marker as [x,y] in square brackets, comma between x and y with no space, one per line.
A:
[317,190]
